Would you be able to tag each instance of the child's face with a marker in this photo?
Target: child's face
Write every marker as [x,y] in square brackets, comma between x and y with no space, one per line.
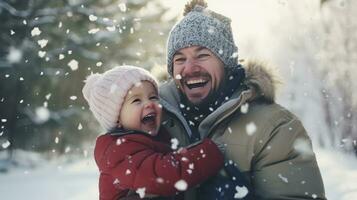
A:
[141,109]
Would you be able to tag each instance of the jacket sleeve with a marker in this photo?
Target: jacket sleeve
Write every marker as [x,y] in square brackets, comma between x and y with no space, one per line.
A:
[285,164]
[159,171]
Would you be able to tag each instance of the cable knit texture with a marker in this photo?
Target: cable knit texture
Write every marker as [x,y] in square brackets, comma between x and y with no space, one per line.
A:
[203,27]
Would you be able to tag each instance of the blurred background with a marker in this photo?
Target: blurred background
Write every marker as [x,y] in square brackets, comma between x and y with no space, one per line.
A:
[48,47]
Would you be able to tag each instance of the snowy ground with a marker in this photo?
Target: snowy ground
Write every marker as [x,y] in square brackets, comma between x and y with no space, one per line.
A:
[77,180]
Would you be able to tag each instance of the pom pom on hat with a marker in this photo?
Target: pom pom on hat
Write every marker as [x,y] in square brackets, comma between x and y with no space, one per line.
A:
[105,93]
[190,5]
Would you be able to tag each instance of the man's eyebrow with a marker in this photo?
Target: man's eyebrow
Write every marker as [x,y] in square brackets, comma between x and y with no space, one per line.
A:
[178,53]
[200,48]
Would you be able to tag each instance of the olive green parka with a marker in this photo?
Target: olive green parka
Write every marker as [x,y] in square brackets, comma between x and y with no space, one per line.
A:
[267,142]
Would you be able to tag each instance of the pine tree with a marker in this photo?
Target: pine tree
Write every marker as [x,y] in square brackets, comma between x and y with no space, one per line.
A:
[49,47]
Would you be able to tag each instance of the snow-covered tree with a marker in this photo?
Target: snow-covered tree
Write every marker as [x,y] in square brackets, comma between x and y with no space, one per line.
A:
[49,47]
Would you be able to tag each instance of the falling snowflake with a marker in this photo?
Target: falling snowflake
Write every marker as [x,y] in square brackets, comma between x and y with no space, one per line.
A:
[220,51]
[35,31]
[42,43]
[5,144]
[160,180]
[314,196]
[191,166]
[141,192]
[244,108]
[60,56]
[181,185]
[116,181]
[127,172]
[41,54]
[42,114]
[48,96]
[184,159]
[93,31]
[93,18]
[122,7]
[111,28]
[229,129]
[67,149]
[73,64]
[98,64]
[178,77]
[235,55]
[174,143]
[73,97]
[283,178]
[14,55]
[3,120]
[80,127]
[241,192]
[56,140]
[251,128]
[303,146]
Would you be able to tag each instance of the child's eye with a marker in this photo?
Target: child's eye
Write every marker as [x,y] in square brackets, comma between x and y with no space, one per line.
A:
[136,101]
[154,98]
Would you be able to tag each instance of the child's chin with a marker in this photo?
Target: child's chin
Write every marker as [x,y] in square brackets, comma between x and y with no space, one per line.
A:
[153,132]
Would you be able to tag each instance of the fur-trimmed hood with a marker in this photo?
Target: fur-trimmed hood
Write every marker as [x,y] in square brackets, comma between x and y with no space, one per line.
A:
[262,79]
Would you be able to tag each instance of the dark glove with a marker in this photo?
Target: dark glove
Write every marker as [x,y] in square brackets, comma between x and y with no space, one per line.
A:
[234,186]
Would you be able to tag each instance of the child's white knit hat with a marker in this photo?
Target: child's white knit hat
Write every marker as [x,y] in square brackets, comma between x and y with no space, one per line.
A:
[105,93]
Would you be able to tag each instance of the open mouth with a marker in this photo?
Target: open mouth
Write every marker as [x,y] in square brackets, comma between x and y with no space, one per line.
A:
[149,118]
[196,83]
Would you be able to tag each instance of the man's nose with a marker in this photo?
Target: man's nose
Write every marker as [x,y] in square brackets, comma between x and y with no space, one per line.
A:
[191,66]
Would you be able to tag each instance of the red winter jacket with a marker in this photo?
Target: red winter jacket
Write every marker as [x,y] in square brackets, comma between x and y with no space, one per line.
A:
[137,160]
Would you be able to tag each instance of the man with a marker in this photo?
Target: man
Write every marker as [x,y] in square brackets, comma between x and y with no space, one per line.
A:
[212,95]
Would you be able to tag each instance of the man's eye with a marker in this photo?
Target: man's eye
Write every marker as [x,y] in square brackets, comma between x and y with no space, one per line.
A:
[179,60]
[203,55]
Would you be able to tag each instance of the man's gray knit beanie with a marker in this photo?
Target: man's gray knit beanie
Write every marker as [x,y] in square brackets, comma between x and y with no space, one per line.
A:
[203,27]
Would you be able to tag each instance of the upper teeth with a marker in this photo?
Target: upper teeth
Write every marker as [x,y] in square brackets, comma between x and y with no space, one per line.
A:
[150,115]
[195,81]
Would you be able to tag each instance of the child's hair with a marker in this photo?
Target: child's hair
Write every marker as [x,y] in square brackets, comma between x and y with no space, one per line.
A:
[105,93]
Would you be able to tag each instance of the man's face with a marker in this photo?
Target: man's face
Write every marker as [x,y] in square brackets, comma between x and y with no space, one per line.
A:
[198,72]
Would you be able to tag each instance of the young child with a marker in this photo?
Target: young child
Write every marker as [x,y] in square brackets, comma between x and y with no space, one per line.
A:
[135,154]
